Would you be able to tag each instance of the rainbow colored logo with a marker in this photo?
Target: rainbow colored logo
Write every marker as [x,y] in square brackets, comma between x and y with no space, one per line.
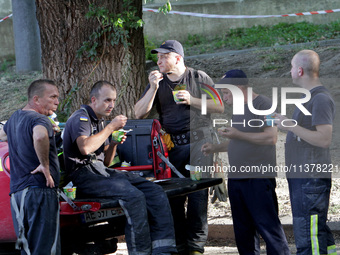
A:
[210,91]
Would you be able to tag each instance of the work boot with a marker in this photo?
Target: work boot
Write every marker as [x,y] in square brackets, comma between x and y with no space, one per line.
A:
[195,253]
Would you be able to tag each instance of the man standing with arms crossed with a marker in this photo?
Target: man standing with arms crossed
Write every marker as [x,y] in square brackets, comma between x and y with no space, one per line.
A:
[189,130]
[89,150]
[35,171]
[307,149]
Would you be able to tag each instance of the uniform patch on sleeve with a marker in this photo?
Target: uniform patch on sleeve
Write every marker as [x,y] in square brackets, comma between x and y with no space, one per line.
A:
[84,119]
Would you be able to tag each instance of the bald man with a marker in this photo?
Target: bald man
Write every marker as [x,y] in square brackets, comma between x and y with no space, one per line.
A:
[308,157]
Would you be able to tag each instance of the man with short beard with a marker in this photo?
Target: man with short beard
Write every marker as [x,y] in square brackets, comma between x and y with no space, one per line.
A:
[189,130]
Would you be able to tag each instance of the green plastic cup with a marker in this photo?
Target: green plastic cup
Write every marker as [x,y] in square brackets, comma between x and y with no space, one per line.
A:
[118,135]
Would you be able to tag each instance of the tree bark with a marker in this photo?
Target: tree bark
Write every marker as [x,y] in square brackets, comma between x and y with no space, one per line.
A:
[63,29]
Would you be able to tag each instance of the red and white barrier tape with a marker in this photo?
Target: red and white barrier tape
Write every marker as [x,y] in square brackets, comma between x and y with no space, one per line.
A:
[7,17]
[215,16]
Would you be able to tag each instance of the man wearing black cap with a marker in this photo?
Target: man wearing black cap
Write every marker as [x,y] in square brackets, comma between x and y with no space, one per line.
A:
[252,195]
[189,130]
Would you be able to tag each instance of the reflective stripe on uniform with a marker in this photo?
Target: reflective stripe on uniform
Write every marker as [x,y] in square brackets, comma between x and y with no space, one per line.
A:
[19,215]
[314,234]
[163,243]
[139,253]
[129,221]
[331,250]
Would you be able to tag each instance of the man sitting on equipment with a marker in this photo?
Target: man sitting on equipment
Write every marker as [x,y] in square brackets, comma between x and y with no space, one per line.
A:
[89,149]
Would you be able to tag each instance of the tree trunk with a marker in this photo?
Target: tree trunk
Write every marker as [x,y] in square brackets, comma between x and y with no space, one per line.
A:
[63,29]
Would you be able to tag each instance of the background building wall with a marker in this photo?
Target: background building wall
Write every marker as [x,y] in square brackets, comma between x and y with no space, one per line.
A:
[6,30]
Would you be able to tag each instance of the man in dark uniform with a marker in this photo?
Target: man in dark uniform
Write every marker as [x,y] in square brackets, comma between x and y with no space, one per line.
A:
[35,171]
[308,157]
[189,130]
[252,195]
[89,149]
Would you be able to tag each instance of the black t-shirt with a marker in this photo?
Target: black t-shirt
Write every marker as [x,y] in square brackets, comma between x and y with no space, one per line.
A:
[246,157]
[83,122]
[321,106]
[23,158]
[179,118]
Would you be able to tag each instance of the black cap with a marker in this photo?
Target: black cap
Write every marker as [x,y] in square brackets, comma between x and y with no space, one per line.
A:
[170,46]
[234,77]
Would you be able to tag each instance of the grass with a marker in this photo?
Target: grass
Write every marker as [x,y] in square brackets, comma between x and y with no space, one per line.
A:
[262,36]
[6,63]
[256,36]
[149,45]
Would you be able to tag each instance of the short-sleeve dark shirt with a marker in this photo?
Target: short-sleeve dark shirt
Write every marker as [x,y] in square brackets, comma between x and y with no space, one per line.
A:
[23,158]
[179,118]
[321,106]
[83,122]
[242,154]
